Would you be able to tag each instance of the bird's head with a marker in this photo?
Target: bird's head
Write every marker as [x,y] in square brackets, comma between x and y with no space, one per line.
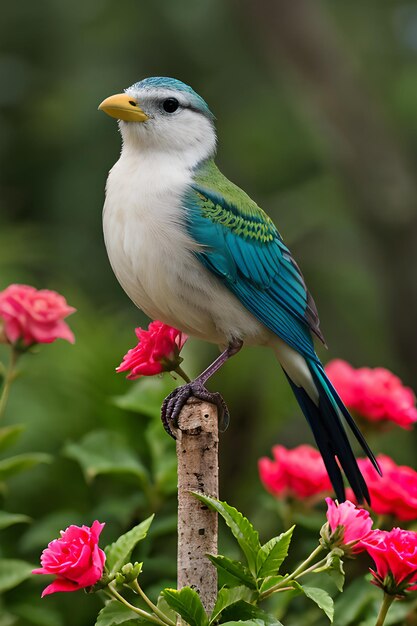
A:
[164,114]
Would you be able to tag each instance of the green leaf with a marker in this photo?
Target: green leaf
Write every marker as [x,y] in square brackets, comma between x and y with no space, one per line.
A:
[115,613]
[243,531]
[270,582]
[272,554]
[9,519]
[163,606]
[334,568]
[13,572]
[146,396]
[244,611]
[118,553]
[21,462]
[227,597]
[323,600]
[9,435]
[235,569]
[105,452]
[186,602]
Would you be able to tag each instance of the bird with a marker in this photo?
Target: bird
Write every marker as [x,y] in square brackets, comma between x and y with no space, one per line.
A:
[192,249]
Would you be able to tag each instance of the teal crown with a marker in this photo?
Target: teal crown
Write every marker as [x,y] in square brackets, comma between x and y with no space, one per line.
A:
[164,82]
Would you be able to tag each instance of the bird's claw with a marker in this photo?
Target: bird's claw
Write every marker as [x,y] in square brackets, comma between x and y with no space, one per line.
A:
[174,402]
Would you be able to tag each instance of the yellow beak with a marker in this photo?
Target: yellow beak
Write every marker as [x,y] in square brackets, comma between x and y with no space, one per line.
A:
[123,107]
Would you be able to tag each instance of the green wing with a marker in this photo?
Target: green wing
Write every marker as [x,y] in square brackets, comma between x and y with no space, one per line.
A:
[242,246]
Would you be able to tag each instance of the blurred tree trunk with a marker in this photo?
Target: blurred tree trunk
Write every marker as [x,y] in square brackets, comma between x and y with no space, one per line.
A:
[298,35]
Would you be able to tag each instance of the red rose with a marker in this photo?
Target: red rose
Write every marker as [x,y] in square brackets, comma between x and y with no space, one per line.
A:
[395,557]
[348,524]
[34,316]
[75,559]
[344,379]
[375,394]
[393,493]
[158,351]
[298,473]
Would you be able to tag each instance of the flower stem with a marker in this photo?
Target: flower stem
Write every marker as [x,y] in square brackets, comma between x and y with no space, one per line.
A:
[311,568]
[302,568]
[299,571]
[181,373]
[137,588]
[135,609]
[386,603]
[9,375]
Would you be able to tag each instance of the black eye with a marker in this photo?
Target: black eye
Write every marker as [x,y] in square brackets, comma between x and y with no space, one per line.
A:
[170,105]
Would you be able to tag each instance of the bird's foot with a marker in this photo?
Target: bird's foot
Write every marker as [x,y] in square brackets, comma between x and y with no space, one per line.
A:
[173,404]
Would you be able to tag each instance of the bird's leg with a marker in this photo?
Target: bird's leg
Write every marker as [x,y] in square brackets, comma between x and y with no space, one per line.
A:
[173,404]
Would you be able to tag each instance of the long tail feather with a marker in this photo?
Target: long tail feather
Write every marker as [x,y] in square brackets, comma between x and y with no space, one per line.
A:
[330,435]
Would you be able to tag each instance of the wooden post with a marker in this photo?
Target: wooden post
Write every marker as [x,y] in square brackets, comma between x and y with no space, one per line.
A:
[197,452]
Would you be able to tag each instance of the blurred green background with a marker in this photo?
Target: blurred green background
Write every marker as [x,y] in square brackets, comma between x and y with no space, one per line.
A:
[316,106]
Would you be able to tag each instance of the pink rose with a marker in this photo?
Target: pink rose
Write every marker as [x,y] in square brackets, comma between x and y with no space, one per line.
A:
[297,473]
[344,379]
[34,316]
[353,524]
[395,557]
[75,559]
[376,395]
[393,493]
[158,351]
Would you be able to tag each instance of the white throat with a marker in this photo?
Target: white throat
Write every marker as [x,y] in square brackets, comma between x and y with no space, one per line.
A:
[186,141]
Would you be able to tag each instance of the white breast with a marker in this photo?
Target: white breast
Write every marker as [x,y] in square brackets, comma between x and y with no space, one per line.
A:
[152,254]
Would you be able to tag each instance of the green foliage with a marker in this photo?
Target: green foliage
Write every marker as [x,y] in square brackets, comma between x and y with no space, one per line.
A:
[146,396]
[9,519]
[187,603]
[16,464]
[271,555]
[37,615]
[249,622]
[353,603]
[268,583]
[334,568]
[323,600]
[118,553]
[114,613]
[227,597]
[243,531]
[359,604]
[261,578]
[236,572]
[9,435]
[105,452]
[13,572]
[243,611]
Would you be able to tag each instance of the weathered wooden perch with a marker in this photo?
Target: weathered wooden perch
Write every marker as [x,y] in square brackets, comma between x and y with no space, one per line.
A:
[197,452]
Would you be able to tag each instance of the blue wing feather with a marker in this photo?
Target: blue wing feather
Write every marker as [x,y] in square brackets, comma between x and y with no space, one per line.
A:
[254,264]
